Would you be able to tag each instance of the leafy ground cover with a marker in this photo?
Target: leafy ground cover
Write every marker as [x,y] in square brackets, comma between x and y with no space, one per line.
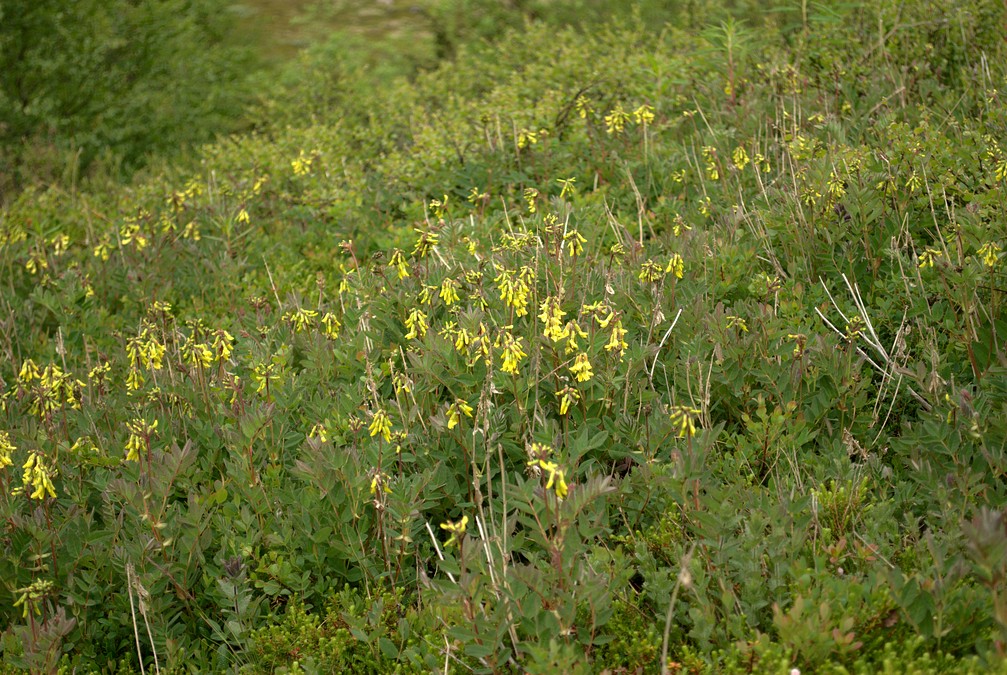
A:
[610,348]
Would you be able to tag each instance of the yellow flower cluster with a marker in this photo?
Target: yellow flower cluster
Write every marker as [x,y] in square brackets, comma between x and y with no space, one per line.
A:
[552,316]
[457,530]
[530,195]
[651,272]
[301,319]
[302,163]
[567,396]
[710,157]
[331,325]
[989,253]
[319,433]
[581,368]
[456,410]
[38,476]
[263,374]
[144,351]
[514,287]
[381,424]
[616,120]
[416,322]
[740,158]
[398,261]
[7,449]
[54,388]
[425,244]
[196,354]
[617,341]
[449,291]
[684,420]
[140,432]
[512,351]
[541,465]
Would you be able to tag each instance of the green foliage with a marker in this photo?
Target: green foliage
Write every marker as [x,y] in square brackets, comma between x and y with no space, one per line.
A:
[596,344]
[119,81]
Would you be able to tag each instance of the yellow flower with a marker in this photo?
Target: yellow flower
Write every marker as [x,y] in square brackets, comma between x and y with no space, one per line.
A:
[380,482]
[530,195]
[617,341]
[476,195]
[416,322]
[512,352]
[837,188]
[644,115]
[581,368]
[928,257]
[301,319]
[134,379]
[331,325]
[223,345]
[676,266]
[103,250]
[196,354]
[463,339]
[243,217]
[710,155]
[1000,171]
[191,231]
[319,433]
[854,328]
[552,316]
[302,163]
[989,252]
[398,261]
[263,375]
[514,288]
[556,480]
[130,234]
[7,448]
[425,244]
[567,184]
[29,372]
[574,243]
[449,291]
[401,383]
[526,137]
[616,120]
[457,530]
[567,397]
[479,347]
[140,432]
[571,331]
[30,597]
[381,424]
[456,410]
[679,225]
[682,417]
[651,272]
[800,342]
[439,207]
[38,476]
[740,158]
[737,322]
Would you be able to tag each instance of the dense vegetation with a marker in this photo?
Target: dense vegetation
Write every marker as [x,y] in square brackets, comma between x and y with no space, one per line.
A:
[113,82]
[629,346]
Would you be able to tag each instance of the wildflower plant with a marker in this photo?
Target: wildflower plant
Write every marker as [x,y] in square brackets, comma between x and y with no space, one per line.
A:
[712,334]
